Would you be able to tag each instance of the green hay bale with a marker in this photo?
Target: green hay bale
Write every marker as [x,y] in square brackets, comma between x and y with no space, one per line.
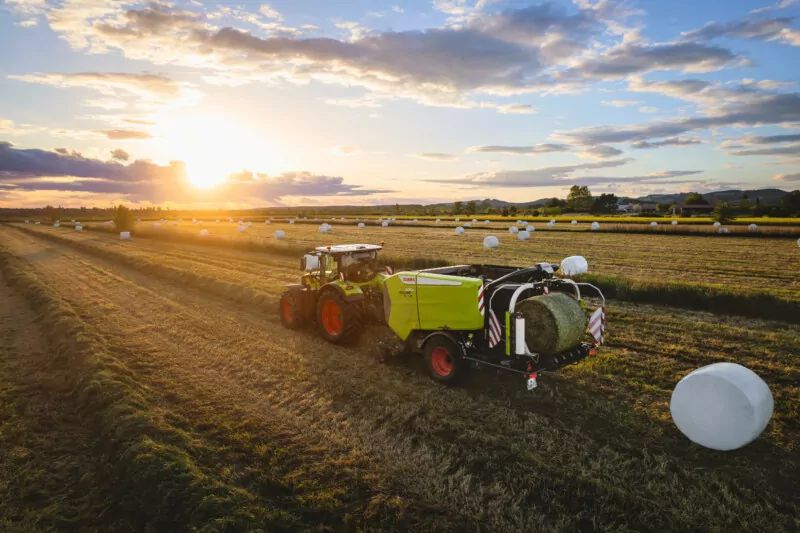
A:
[553,323]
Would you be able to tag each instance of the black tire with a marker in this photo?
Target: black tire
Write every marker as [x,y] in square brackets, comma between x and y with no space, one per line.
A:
[292,316]
[342,330]
[444,359]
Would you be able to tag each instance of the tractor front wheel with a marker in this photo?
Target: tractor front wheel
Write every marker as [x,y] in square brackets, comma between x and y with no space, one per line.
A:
[444,358]
[289,308]
[338,321]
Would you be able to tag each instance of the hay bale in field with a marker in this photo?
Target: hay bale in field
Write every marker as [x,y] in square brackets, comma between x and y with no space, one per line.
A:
[723,230]
[291,222]
[57,225]
[415,221]
[407,222]
[280,234]
[36,223]
[717,224]
[438,220]
[551,224]
[553,322]
[491,242]
[138,220]
[487,221]
[474,220]
[653,224]
[459,230]
[513,230]
[385,224]
[519,222]
[458,220]
[722,406]
[574,222]
[242,229]
[125,235]
[752,227]
[524,235]
[468,225]
[156,225]
[27,222]
[174,223]
[204,233]
[526,223]
[674,222]
[249,224]
[361,225]
[574,265]
[78,228]
[266,222]
[595,225]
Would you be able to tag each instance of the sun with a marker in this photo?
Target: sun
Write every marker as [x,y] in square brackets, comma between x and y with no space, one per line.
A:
[213,147]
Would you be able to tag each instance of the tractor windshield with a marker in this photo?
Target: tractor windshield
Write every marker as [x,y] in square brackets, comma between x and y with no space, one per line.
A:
[360,267]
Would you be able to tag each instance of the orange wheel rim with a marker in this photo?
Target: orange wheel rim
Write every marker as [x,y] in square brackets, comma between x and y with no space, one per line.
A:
[331,318]
[441,361]
[286,309]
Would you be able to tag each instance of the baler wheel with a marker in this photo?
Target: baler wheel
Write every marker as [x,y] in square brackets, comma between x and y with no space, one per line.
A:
[443,356]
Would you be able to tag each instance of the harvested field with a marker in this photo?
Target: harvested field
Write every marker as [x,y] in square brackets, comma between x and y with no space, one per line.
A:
[170,370]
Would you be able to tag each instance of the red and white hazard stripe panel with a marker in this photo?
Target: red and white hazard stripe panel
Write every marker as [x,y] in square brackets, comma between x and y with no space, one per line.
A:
[494,330]
[597,325]
[481,306]
[389,270]
[341,277]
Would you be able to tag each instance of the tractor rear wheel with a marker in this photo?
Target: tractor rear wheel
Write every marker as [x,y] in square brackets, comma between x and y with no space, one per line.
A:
[444,359]
[292,315]
[339,322]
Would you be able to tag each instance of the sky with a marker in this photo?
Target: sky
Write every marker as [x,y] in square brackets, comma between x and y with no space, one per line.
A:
[355,102]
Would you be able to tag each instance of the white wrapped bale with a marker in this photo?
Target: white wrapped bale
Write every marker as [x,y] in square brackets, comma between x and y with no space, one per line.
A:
[595,225]
[491,242]
[468,225]
[407,222]
[138,220]
[551,224]
[437,220]
[752,227]
[474,220]
[722,406]
[27,222]
[574,222]
[513,230]
[458,220]
[174,223]
[291,222]
[519,222]
[526,223]
[57,225]
[204,233]
[280,234]
[266,222]
[723,230]
[574,265]
[674,222]
[156,225]
[385,224]
[653,224]
[361,225]
[249,224]
[459,230]
[37,223]
[199,222]
[553,221]
[415,221]
[242,229]
[524,235]
[125,235]
[78,228]
[530,228]
[717,224]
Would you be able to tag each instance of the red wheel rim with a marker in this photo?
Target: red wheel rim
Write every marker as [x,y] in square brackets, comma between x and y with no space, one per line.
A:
[441,361]
[331,318]
[286,309]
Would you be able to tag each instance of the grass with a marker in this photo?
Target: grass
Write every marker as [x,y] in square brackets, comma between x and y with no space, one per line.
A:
[328,437]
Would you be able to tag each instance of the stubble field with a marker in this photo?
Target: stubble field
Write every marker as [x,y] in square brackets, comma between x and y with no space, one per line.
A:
[148,385]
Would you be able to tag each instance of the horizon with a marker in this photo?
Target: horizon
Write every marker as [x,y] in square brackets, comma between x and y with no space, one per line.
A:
[196,105]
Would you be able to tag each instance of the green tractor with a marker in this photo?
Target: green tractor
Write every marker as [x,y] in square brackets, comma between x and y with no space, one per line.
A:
[340,289]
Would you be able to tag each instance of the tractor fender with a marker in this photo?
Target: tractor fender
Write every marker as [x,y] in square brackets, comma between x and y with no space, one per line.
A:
[451,337]
[353,294]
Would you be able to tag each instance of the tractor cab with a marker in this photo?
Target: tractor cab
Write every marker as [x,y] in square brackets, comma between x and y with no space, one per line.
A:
[354,262]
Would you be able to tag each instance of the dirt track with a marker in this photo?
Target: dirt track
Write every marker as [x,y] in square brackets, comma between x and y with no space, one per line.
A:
[355,433]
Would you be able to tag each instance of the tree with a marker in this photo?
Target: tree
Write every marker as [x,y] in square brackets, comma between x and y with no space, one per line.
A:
[554,202]
[723,213]
[504,212]
[695,198]
[50,213]
[123,218]
[792,200]
[512,210]
[472,208]
[605,203]
[579,198]
[458,208]
[662,207]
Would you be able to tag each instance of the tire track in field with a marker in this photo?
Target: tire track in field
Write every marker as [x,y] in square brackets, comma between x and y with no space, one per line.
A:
[452,446]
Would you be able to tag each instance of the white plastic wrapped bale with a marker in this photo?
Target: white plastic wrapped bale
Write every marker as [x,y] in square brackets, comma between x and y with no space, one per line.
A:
[266,222]
[242,229]
[574,222]
[674,222]
[407,222]
[204,233]
[717,224]
[524,235]
[249,224]
[415,221]
[574,265]
[491,242]
[526,223]
[530,228]
[553,221]
[27,222]
[722,406]
[437,220]
[174,223]
[280,234]
[361,225]
[474,220]
[519,222]
[458,220]
[385,224]
[513,230]
[752,227]
[138,220]
[37,223]
[468,225]
[723,230]
[653,224]
[156,225]
[798,242]
[78,228]
[459,230]
[125,235]
[595,225]
[551,224]
[324,228]
[487,221]
[291,222]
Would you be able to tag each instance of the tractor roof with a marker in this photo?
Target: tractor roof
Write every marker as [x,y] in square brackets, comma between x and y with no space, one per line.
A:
[342,249]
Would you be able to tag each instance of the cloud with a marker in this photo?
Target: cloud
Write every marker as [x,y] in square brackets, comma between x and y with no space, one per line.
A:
[149,89]
[774,7]
[671,141]
[600,152]
[790,150]
[125,135]
[537,177]
[767,139]
[520,150]
[346,150]
[768,29]
[619,103]
[788,177]
[120,155]
[519,109]
[42,170]
[436,156]
[648,109]
[269,12]
[398,9]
